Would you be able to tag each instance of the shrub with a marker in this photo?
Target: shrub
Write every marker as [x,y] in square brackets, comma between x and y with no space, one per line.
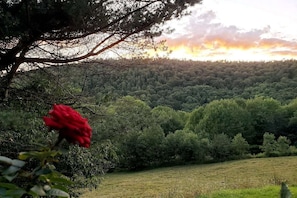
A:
[220,147]
[185,146]
[239,145]
[269,145]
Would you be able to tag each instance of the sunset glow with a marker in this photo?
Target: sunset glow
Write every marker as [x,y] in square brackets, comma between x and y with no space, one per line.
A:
[235,30]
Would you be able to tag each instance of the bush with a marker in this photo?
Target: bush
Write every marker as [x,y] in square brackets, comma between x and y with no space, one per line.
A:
[269,145]
[220,147]
[293,150]
[184,146]
[141,149]
[283,145]
[24,131]
[239,145]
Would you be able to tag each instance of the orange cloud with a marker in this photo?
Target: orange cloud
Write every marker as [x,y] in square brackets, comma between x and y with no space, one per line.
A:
[203,37]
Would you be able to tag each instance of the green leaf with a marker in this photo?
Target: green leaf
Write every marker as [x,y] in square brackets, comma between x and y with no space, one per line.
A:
[2,191]
[38,154]
[56,177]
[10,177]
[38,190]
[58,192]
[18,163]
[10,170]
[15,193]
[5,160]
[9,186]
[44,171]
[24,155]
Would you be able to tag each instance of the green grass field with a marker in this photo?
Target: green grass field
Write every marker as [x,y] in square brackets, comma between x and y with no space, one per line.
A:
[259,177]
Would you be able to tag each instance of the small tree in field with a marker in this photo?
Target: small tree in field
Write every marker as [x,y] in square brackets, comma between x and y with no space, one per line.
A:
[283,145]
[240,145]
[220,147]
[269,145]
[64,31]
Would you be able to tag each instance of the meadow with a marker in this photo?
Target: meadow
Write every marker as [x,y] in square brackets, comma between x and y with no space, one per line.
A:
[257,177]
[152,114]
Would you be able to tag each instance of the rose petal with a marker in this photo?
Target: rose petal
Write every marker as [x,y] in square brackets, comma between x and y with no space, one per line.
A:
[71,125]
[52,123]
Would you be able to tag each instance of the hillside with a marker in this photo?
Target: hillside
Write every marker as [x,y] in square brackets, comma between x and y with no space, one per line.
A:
[181,85]
[156,113]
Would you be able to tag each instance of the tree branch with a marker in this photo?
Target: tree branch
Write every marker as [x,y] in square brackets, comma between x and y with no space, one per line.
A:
[91,53]
[101,29]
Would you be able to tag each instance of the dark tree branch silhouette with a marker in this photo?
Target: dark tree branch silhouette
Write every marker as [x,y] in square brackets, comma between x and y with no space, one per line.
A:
[65,31]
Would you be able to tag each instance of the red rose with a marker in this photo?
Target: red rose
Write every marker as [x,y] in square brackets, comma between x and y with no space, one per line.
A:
[70,124]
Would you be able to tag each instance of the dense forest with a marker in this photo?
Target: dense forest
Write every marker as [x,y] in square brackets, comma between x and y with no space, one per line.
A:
[149,113]
[181,85]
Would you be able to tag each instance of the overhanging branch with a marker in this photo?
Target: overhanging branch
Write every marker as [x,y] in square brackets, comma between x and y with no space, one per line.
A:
[93,52]
[101,29]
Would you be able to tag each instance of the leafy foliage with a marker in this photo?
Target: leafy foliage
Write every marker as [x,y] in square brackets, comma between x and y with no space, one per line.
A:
[220,147]
[224,116]
[184,146]
[169,119]
[140,150]
[46,32]
[180,85]
[44,180]
[24,131]
[136,118]
[239,145]
[271,146]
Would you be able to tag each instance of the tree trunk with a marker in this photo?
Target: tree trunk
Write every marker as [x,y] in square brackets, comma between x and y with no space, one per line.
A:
[7,80]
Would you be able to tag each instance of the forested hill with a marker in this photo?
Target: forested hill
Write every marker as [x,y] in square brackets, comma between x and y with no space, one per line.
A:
[182,85]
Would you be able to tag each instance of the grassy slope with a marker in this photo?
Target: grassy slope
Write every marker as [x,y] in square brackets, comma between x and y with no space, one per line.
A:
[195,180]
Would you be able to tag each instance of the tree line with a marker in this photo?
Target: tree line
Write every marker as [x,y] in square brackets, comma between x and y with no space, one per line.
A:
[181,85]
[132,135]
[218,131]
[136,123]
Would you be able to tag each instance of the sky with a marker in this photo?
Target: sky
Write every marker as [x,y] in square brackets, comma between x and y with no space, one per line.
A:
[235,30]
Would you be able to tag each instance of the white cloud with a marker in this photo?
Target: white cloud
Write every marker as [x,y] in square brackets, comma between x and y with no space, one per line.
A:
[206,29]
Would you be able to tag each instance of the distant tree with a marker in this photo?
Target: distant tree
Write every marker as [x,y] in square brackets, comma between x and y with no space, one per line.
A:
[269,145]
[291,109]
[283,145]
[224,116]
[184,146]
[240,145]
[59,32]
[150,146]
[121,117]
[138,149]
[220,147]
[267,116]
[195,117]
[169,119]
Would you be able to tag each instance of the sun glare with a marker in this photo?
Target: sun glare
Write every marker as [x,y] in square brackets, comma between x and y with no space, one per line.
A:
[222,53]
[218,30]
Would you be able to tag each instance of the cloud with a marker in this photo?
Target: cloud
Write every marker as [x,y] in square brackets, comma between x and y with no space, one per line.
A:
[203,32]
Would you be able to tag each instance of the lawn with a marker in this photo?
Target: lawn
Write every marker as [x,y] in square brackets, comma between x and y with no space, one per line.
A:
[242,178]
[264,192]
